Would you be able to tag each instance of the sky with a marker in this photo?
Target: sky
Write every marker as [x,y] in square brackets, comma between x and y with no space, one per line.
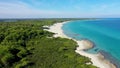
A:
[59,8]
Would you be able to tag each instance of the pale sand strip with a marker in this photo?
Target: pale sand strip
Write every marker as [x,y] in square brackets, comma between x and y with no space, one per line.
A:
[97,59]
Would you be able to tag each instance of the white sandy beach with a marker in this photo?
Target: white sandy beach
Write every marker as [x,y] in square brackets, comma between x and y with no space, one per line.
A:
[97,59]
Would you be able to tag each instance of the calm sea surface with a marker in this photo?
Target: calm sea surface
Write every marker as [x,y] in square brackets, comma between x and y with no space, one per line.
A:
[104,33]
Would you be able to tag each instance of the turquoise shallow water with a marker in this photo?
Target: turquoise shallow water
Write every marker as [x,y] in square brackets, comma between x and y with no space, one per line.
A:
[104,33]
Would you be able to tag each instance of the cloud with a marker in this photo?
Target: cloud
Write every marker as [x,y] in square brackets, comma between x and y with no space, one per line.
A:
[54,8]
[20,10]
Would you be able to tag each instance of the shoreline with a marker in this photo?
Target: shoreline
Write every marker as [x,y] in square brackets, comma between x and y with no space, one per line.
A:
[98,60]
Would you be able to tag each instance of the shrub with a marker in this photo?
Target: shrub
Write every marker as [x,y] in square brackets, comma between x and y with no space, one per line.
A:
[23,64]
[7,59]
[22,53]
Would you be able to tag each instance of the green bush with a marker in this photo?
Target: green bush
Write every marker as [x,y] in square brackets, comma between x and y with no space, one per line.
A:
[7,59]
[22,53]
[22,64]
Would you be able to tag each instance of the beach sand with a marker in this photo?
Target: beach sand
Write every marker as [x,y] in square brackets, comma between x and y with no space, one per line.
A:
[97,59]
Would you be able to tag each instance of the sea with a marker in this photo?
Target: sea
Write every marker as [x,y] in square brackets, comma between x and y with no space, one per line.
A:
[104,33]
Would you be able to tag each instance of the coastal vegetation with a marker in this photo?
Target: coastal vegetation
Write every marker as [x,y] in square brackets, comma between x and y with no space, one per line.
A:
[25,44]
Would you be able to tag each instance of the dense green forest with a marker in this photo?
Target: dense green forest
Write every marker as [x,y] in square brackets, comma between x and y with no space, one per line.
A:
[24,44]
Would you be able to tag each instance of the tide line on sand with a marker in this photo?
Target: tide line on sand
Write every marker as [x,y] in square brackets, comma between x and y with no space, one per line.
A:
[97,59]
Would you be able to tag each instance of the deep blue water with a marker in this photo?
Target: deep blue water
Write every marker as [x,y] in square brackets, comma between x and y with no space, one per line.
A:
[104,33]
